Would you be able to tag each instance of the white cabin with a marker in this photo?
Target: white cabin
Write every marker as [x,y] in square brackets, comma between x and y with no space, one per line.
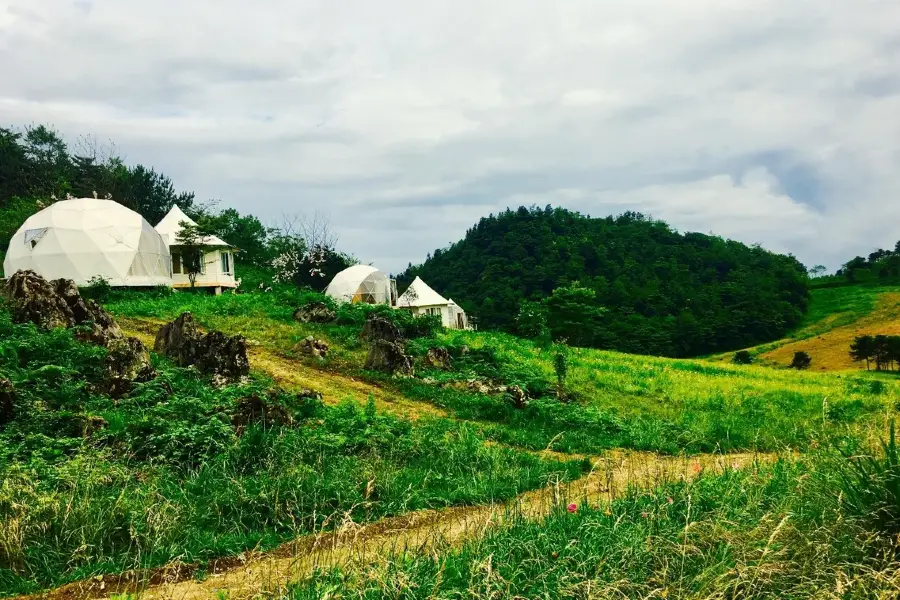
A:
[217,267]
[421,299]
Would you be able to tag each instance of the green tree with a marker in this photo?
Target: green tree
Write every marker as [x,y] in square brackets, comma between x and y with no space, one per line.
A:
[190,241]
[863,348]
[573,315]
[802,360]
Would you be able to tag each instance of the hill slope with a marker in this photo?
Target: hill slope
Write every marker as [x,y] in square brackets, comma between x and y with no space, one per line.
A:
[665,293]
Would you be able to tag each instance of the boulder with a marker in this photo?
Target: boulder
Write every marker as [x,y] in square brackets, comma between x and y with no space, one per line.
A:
[378,328]
[269,409]
[389,357]
[214,353]
[128,361]
[517,396]
[438,358]
[313,347]
[33,299]
[317,312]
[7,401]
[57,303]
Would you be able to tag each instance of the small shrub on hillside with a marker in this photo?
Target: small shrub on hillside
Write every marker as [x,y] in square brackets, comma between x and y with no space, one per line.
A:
[801,361]
[98,289]
[742,357]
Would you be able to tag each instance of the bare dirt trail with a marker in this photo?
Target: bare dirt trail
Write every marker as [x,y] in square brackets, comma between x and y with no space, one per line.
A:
[350,544]
[293,374]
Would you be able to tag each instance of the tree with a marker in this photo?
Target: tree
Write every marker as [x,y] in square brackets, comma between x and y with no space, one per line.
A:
[245,232]
[863,348]
[801,361]
[742,357]
[818,271]
[304,252]
[190,241]
[531,322]
[574,315]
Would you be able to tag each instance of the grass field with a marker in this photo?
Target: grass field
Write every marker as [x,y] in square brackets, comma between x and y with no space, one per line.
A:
[835,317]
[382,469]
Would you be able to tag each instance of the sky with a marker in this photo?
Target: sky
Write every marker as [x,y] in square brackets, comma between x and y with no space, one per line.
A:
[404,121]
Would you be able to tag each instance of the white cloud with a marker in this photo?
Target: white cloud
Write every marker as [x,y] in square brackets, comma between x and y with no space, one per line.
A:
[766,120]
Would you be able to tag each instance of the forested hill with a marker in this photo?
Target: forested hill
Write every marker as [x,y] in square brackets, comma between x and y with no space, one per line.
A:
[627,283]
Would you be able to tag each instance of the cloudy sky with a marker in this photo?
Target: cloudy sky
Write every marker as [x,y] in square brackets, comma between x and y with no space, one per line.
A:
[770,121]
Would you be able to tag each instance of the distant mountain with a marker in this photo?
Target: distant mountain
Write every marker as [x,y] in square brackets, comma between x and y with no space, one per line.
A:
[665,293]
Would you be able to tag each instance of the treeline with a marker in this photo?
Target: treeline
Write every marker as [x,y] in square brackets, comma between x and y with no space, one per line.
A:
[878,266]
[628,283]
[38,167]
[882,350]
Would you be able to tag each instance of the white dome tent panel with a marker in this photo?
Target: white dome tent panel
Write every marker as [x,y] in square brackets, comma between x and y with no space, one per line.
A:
[87,237]
[360,284]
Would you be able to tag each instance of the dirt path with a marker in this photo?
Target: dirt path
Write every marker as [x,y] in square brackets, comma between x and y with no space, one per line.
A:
[421,531]
[293,374]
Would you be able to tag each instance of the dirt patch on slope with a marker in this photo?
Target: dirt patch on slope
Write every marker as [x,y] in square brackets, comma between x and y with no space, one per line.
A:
[831,351]
[350,544]
[294,374]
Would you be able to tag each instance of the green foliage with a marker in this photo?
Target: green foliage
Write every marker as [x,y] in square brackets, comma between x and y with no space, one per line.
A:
[245,232]
[574,317]
[97,289]
[179,469]
[870,487]
[666,293]
[531,322]
[190,240]
[884,350]
[742,357]
[801,360]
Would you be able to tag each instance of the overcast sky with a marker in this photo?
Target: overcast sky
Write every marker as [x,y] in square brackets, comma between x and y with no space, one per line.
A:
[770,121]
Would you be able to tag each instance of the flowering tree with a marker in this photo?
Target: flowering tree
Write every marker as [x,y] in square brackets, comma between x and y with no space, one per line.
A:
[305,253]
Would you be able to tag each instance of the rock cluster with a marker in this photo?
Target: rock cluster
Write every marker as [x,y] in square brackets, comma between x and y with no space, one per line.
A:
[516,394]
[214,353]
[387,347]
[310,345]
[316,312]
[438,358]
[57,303]
[275,407]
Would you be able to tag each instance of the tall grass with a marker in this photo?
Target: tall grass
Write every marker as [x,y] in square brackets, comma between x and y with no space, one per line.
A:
[773,531]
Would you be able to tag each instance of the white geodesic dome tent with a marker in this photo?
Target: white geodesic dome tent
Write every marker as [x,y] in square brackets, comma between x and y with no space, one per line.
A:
[85,238]
[360,283]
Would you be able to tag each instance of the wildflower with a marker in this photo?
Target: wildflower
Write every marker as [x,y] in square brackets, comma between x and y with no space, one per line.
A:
[697,467]
[572,507]
[644,515]
[669,499]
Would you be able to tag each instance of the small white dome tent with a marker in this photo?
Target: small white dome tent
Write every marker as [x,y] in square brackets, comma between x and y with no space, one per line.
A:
[360,283]
[421,299]
[84,238]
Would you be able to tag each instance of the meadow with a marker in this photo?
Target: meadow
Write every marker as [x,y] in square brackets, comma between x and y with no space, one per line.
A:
[179,472]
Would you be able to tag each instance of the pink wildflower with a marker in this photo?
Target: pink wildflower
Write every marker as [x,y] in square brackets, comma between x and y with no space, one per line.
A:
[697,468]
[669,499]
[572,507]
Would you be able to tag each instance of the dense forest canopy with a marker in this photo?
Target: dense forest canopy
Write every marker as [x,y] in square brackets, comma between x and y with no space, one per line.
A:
[632,283]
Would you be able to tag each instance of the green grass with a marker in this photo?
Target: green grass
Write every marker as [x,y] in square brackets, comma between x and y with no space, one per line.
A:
[775,531]
[622,400]
[170,471]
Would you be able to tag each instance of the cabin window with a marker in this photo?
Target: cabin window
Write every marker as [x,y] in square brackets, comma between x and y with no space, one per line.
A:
[176,264]
[226,263]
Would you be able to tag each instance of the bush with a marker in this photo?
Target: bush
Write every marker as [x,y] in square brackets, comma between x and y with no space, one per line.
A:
[802,360]
[98,289]
[742,357]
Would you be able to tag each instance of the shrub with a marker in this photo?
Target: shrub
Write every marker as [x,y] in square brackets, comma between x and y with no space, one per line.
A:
[802,360]
[742,357]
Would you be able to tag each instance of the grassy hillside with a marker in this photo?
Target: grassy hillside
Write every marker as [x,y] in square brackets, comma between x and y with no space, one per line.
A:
[172,473]
[836,316]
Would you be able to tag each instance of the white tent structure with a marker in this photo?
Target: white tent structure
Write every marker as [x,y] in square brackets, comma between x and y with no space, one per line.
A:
[87,237]
[421,299]
[217,266]
[360,283]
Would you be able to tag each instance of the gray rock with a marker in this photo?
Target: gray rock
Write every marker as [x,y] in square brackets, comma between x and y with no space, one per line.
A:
[317,312]
[128,361]
[313,347]
[389,357]
[214,353]
[438,358]
[378,328]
